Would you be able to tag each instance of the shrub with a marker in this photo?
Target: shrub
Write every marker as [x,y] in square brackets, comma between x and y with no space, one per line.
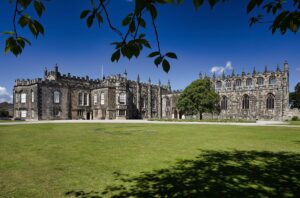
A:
[295,118]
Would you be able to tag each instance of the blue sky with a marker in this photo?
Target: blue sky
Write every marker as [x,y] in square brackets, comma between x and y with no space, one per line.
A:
[202,39]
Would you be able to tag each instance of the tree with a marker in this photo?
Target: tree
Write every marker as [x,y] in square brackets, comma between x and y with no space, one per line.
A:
[295,97]
[282,15]
[198,97]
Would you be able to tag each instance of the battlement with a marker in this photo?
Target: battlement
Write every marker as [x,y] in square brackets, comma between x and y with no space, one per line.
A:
[27,82]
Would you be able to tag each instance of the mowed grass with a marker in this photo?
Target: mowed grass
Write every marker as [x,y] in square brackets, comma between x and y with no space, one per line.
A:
[49,160]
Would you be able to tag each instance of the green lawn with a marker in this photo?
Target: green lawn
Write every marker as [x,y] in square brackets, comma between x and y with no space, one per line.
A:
[294,122]
[143,160]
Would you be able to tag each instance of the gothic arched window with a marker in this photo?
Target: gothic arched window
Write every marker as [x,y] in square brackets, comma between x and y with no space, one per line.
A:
[238,83]
[245,104]
[56,96]
[218,84]
[270,101]
[224,103]
[248,82]
[260,81]
[272,80]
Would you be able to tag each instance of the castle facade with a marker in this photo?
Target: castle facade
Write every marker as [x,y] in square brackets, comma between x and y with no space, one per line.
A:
[56,96]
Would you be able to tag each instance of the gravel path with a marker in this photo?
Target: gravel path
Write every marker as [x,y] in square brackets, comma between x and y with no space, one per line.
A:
[259,123]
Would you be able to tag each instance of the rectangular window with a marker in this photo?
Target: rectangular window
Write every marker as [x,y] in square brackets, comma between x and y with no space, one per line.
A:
[122,112]
[80,101]
[102,98]
[84,99]
[32,96]
[122,98]
[95,99]
[56,97]
[32,113]
[23,98]
[23,114]
[17,98]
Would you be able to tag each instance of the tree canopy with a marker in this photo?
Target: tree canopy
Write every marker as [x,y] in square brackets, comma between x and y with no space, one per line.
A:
[282,15]
[295,97]
[199,97]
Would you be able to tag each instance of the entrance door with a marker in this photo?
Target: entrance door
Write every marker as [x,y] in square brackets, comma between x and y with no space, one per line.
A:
[88,116]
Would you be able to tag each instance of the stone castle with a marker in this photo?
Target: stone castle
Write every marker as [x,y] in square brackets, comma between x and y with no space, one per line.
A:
[247,96]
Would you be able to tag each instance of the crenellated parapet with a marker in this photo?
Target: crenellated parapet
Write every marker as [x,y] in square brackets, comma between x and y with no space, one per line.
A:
[27,82]
[250,81]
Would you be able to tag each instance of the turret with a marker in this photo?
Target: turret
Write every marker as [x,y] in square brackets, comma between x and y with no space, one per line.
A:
[138,78]
[125,74]
[254,71]
[169,86]
[243,72]
[200,75]
[214,75]
[277,68]
[286,66]
[266,69]
[223,74]
[45,72]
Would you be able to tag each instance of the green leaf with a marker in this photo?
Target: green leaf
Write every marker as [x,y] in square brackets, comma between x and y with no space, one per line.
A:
[132,27]
[198,3]
[33,29]
[142,22]
[39,7]
[158,60]
[84,13]
[153,54]
[153,11]
[212,3]
[127,20]
[8,32]
[252,4]
[24,20]
[166,65]
[21,42]
[115,56]
[90,20]
[171,55]
[99,18]
[39,27]
[24,3]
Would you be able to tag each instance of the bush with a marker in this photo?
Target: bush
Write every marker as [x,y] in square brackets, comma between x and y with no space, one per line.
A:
[295,118]
[3,113]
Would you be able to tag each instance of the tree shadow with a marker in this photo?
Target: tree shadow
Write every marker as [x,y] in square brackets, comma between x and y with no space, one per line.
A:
[215,174]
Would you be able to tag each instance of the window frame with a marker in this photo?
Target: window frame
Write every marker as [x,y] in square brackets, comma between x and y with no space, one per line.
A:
[246,102]
[56,97]
[270,101]
[23,98]
[122,98]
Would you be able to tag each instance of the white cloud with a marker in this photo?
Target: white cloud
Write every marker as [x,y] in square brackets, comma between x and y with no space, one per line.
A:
[219,69]
[4,95]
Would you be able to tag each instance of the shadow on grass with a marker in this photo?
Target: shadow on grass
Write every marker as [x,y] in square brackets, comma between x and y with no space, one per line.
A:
[214,174]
